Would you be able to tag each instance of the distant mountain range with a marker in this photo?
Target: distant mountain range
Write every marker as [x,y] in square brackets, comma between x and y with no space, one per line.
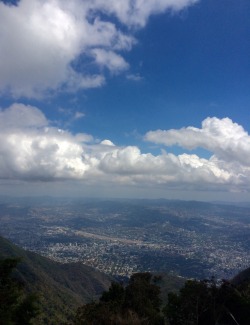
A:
[50,200]
[61,287]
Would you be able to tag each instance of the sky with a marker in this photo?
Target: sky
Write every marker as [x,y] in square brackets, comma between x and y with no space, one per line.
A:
[125,98]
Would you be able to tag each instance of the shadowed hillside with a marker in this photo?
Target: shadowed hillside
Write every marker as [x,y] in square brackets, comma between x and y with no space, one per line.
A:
[61,287]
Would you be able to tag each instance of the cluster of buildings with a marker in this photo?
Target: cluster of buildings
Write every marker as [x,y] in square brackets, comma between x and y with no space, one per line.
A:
[181,241]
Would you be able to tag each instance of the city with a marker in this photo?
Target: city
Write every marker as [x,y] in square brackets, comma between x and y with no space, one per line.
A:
[121,237]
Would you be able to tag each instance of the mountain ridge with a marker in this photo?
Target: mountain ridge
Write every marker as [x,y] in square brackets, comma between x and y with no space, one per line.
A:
[61,287]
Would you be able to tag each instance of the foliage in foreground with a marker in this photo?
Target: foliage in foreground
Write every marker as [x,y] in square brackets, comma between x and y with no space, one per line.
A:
[206,303]
[198,303]
[136,304]
[16,308]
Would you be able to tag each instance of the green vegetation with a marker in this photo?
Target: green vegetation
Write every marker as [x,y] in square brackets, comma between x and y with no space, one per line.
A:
[198,303]
[62,288]
[67,295]
[137,303]
[16,307]
[206,303]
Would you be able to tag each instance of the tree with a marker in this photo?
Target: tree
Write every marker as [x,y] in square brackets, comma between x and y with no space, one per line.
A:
[137,304]
[205,303]
[143,297]
[15,306]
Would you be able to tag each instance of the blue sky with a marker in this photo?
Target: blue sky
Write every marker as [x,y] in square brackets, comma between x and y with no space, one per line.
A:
[125,98]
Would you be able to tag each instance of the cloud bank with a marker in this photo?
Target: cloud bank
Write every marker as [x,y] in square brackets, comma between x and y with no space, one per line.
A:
[227,140]
[32,149]
[51,45]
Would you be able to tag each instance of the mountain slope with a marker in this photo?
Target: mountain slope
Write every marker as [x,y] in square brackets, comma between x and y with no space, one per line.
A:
[242,282]
[242,278]
[61,287]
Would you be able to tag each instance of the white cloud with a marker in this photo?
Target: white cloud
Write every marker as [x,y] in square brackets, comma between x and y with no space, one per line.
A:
[109,59]
[78,115]
[107,143]
[134,77]
[137,12]
[32,149]
[20,116]
[40,39]
[227,140]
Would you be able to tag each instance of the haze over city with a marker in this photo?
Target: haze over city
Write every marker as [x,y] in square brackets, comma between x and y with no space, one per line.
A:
[122,98]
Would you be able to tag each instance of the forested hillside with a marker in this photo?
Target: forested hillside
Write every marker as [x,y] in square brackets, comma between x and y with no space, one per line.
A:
[36,290]
[61,288]
[205,302]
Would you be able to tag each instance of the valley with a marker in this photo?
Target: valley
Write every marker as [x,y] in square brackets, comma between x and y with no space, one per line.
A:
[121,237]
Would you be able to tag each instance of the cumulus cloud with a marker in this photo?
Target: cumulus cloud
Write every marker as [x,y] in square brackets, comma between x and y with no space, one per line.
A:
[226,139]
[41,41]
[21,116]
[31,148]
